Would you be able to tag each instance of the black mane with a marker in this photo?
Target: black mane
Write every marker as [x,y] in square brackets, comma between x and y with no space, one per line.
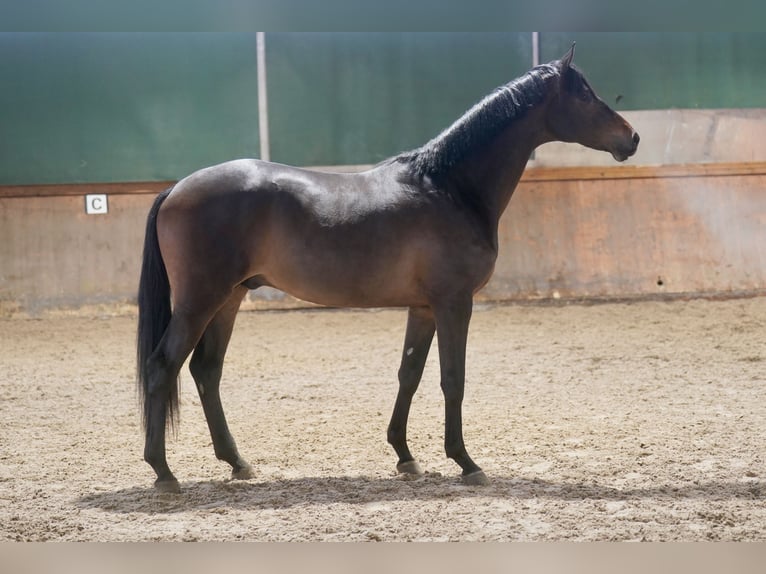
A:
[481,123]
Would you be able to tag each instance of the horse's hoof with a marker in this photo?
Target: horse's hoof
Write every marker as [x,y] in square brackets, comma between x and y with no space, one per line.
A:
[243,473]
[476,478]
[409,467]
[167,486]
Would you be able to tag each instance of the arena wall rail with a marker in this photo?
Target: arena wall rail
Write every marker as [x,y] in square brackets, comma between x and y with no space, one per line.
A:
[579,232]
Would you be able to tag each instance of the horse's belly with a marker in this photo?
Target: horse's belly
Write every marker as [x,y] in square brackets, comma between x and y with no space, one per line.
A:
[346,279]
[353,298]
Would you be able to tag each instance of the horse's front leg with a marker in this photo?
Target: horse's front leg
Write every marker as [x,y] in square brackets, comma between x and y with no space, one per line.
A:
[452,320]
[417,343]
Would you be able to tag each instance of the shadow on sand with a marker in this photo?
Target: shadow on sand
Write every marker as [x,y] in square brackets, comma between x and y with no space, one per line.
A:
[281,494]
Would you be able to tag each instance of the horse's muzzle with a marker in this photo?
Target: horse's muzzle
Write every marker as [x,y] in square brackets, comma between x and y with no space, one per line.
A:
[623,154]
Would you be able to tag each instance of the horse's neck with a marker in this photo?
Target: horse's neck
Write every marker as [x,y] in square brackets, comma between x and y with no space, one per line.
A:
[494,172]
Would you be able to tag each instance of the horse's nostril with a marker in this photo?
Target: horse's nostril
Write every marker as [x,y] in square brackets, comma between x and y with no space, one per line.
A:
[636,138]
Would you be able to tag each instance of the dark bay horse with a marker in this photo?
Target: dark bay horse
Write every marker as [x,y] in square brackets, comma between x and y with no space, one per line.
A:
[418,231]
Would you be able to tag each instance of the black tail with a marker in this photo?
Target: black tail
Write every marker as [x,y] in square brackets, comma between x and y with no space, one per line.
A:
[153,310]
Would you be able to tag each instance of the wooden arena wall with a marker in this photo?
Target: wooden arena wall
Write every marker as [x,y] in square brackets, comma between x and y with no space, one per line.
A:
[626,232]
[579,225]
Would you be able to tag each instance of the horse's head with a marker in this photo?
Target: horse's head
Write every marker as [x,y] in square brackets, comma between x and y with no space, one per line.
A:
[577,114]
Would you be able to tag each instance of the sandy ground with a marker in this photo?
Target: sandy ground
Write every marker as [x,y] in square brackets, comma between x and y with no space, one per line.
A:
[641,421]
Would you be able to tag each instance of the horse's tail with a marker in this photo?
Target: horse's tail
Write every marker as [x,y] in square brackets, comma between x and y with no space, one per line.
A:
[153,311]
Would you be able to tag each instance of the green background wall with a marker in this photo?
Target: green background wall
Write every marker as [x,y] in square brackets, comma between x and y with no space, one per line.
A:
[137,107]
[654,71]
[124,107]
[359,98]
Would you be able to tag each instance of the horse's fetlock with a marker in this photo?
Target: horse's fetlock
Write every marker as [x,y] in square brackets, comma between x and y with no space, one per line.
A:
[150,458]
[395,436]
[455,451]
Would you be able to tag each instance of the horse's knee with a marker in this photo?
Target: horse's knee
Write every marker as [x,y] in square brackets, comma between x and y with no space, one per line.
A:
[410,373]
[408,381]
[453,392]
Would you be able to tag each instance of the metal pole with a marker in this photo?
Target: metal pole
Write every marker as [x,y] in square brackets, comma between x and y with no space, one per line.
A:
[535,62]
[263,105]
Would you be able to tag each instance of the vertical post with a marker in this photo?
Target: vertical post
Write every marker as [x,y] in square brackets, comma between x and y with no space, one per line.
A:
[535,62]
[263,105]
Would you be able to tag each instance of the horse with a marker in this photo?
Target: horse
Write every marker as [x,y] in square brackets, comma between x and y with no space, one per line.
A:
[417,231]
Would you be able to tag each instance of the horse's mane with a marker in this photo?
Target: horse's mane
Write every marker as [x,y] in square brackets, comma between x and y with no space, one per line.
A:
[481,123]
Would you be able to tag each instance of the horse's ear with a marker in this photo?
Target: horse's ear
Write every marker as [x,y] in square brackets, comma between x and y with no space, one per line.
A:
[566,60]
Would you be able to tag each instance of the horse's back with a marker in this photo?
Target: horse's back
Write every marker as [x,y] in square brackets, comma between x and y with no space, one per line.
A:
[219,182]
[288,227]
[247,187]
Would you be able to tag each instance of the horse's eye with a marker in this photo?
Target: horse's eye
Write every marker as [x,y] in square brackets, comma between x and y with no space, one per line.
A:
[584,93]
[579,88]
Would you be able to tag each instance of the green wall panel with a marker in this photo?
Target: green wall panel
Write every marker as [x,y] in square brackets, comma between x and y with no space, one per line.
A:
[669,70]
[124,107]
[131,107]
[348,98]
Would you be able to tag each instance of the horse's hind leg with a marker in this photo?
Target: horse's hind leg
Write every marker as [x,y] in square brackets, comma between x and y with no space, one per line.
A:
[417,343]
[206,366]
[180,337]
